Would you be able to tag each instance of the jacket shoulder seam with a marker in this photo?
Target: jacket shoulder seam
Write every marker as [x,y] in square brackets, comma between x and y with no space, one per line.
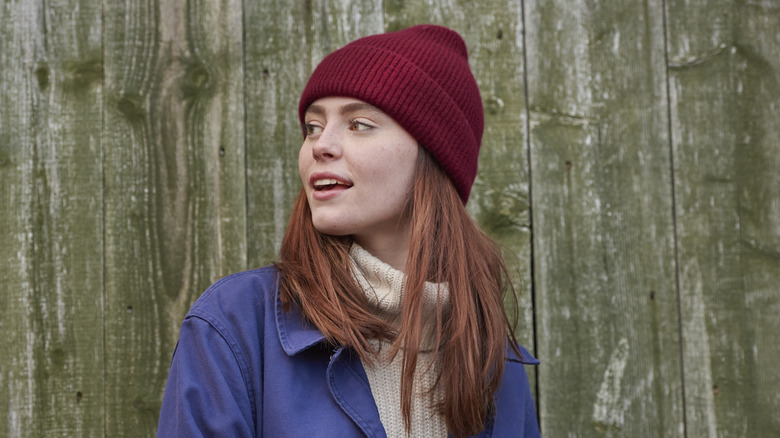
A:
[238,355]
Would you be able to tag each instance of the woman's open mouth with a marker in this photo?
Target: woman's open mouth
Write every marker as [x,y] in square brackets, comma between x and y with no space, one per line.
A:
[327,184]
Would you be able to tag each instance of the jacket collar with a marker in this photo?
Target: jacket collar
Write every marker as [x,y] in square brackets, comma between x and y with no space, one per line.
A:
[295,332]
[525,357]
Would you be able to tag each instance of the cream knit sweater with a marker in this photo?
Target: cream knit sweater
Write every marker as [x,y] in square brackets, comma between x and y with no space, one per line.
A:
[384,287]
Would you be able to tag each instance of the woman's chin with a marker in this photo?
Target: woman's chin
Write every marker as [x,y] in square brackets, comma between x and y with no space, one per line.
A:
[331,228]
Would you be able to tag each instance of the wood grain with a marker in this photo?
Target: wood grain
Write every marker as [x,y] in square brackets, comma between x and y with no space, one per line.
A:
[603,220]
[52,307]
[276,67]
[725,106]
[174,186]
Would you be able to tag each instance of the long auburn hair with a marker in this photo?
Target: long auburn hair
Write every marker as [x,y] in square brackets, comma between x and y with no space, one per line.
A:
[473,332]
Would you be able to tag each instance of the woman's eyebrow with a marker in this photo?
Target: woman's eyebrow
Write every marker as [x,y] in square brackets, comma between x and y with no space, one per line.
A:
[315,109]
[358,106]
[345,109]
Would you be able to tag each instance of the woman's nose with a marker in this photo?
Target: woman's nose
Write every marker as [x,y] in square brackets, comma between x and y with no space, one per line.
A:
[327,145]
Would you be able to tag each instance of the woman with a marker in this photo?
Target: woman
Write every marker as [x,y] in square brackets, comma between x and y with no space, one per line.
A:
[384,315]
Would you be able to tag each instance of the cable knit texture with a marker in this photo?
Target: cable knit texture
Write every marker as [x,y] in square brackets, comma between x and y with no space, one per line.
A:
[384,287]
[420,76]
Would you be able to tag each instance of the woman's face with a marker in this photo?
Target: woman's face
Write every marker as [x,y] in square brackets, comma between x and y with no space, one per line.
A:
[357,165]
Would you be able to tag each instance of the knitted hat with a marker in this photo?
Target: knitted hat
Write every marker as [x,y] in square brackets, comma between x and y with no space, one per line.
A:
[420,77]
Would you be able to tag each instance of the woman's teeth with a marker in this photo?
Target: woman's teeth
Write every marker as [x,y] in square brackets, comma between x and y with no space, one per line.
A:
[324,183]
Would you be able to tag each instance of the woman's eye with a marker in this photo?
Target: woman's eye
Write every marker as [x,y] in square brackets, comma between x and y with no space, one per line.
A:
[312,129]
[355,125]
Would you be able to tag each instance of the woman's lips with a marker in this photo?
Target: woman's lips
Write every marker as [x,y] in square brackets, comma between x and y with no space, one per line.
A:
[325,194]
[326,185]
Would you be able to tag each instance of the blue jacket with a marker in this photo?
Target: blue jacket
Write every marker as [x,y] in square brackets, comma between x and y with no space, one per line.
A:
[245,368]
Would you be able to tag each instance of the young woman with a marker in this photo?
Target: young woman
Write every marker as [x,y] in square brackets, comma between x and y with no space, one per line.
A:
[384,315]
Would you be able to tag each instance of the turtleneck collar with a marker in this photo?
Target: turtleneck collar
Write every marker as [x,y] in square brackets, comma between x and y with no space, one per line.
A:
[384,285]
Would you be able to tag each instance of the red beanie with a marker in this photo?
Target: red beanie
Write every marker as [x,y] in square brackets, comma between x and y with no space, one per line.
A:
[420,77]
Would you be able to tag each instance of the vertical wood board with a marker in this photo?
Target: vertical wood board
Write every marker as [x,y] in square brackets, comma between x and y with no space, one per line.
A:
[175,185]
[20,44]
[602,214]
[50,163]
[276,63]
[725,105]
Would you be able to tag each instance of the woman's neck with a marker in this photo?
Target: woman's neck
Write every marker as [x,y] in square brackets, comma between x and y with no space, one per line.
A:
[392,250]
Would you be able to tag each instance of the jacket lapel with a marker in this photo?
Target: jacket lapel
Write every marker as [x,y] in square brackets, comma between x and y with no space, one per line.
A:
[350,388]
[295,332]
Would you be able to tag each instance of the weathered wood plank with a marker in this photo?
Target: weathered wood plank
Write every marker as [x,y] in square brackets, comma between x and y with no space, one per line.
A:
[725,106]
[175,185]
[50,250]
[20,44]
[276,62]
[499,200]
[602,216]
[337,22]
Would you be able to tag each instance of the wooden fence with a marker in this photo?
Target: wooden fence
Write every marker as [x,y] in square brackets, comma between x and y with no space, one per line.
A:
[630,166]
